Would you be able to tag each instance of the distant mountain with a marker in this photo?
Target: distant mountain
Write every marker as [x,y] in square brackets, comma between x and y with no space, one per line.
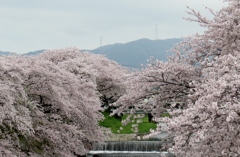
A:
[5,53]
[131,54]
[33,53]
[135,53]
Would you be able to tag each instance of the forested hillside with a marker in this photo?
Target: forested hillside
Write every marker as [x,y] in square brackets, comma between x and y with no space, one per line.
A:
[135,53]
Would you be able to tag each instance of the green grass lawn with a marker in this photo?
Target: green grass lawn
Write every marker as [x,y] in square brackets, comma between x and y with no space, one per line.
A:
[165,115]
[115,124]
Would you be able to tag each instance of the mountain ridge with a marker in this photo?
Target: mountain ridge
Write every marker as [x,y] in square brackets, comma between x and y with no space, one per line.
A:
[6,53]
[132,54]
[137,52]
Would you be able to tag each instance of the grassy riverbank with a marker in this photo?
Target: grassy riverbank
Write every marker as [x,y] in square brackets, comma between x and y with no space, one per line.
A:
[115,124]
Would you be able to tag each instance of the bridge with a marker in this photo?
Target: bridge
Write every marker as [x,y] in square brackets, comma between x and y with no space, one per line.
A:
[149,111]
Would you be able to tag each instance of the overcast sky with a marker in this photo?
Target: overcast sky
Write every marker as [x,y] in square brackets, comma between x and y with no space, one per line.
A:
[29,25]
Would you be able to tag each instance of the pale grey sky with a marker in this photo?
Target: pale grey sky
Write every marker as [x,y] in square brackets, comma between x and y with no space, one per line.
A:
[29,25]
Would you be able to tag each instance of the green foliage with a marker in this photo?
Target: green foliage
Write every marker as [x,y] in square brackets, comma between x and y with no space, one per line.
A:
[165,114]
[115,124]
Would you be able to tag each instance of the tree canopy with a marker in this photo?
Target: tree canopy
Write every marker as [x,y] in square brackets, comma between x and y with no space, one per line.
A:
[204,75]
[51,103]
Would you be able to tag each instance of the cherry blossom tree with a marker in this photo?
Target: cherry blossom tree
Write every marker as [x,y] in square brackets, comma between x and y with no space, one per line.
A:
[204,74]
[107,75]
[72,104]
[15,117]
[51,103]
[160,83]
[210,124]
[212,117]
